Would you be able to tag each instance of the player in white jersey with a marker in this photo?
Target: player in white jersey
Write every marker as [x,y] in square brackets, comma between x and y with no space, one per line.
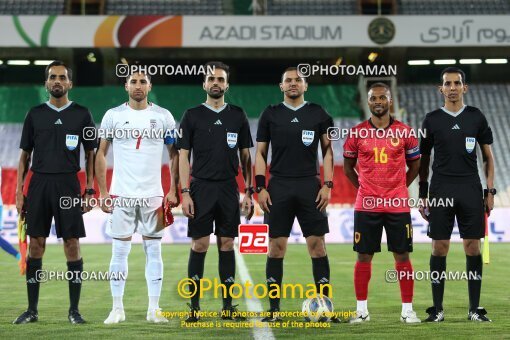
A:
[138,131]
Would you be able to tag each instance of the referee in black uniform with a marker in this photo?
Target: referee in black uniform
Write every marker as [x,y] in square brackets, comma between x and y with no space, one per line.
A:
[215,133]
[453,132]
[294,128]
[52,134]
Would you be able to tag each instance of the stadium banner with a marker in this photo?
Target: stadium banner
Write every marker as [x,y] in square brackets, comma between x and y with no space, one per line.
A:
[341,226]
[254,31]
[340,31]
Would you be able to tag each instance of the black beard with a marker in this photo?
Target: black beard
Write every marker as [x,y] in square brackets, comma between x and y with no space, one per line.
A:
[379,115]
[58,94]
[138,100]
[216,95]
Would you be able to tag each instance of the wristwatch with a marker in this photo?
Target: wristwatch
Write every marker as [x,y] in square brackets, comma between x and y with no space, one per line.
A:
[249,190]
[90,191]
[329,184]
[183,190]
[491,191]
[259,189]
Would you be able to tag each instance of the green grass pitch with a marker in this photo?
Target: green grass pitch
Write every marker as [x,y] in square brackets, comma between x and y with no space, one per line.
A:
[384,298]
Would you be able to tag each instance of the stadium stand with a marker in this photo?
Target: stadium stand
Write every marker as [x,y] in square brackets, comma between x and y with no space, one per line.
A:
[339,100]
[311,7]
[31,7]
[164,7]
[453,7]
[272,7]
[492,99]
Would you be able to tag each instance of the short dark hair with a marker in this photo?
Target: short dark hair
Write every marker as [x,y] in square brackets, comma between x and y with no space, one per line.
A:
[217,64]
[453,69]
[379,84]
[145,74]
[291,68]
[58,63]
[140,66]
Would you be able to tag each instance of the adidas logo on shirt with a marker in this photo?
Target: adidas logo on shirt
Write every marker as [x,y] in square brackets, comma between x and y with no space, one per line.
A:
[218,122]
[455,127]
[295,120]
[58,122]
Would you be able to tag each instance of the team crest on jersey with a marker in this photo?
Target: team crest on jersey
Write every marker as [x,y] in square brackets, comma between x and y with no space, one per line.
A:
[153,124]
[307,137]
[394,141]
[470,144]
[71,142]
[231,139]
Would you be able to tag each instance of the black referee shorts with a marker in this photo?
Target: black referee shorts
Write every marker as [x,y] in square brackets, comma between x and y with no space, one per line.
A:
[468,207]
[291,198]
[214,201]
[43,203]
[368,227]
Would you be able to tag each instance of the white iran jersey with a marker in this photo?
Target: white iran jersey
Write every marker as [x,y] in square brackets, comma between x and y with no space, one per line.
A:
[137,161]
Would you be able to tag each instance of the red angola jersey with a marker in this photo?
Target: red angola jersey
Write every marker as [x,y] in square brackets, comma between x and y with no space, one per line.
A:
[382,156]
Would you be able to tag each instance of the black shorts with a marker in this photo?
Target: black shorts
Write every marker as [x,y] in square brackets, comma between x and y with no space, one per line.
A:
[468,207]
[216,201]
[44,197]
[368,227]
[291,198]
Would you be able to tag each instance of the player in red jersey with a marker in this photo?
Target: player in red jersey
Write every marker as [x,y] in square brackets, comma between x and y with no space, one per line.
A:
[382,146]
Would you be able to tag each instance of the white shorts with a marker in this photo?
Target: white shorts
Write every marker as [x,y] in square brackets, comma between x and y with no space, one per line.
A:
[145,217]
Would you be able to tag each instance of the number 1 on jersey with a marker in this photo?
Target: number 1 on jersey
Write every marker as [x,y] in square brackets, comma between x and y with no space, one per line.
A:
[138,141]
[380,157]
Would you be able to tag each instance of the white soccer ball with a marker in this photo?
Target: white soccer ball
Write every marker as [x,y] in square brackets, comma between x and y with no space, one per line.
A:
[305,309]
[317,309]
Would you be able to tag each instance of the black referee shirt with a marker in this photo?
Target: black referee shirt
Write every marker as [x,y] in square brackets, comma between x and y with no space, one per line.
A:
[55,136]
[294,135]
[453,137]
[214,137]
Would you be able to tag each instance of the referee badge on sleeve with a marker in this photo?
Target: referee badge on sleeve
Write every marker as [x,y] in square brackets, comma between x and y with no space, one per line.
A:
[231,139]
[470,144]
[307,137]
[71,142]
